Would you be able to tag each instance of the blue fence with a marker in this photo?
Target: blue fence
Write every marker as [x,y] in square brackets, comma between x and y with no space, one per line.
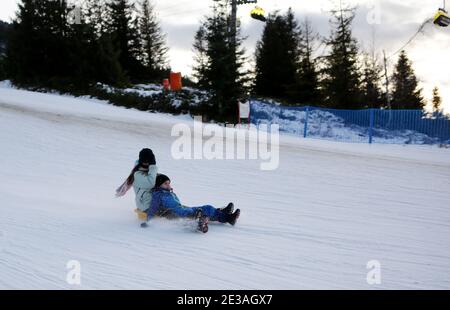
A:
[366,126]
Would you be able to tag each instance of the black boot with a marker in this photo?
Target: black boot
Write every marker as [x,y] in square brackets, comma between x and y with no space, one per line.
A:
[234,217]
[203,220]
[228,209]
[198,214]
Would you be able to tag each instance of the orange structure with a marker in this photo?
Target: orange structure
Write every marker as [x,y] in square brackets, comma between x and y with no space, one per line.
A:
[175,81]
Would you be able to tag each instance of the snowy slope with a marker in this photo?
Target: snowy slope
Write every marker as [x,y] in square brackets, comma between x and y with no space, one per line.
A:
[326,124]
[313,223]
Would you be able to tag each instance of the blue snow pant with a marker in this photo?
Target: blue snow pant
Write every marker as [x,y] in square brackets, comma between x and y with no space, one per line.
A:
[211,212]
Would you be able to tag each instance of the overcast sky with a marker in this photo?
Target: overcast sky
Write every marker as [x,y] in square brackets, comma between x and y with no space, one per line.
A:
[391,22]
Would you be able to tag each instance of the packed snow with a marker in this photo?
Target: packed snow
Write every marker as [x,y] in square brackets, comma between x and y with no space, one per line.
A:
[313,223]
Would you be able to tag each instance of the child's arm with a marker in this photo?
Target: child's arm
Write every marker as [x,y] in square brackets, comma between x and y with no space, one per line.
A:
[152,173]
[154,206]
[148,181]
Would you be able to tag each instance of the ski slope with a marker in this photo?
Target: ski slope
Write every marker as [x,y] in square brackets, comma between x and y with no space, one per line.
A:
[313,223]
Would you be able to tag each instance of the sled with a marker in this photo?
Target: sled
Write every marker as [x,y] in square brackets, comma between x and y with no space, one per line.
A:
[142,216]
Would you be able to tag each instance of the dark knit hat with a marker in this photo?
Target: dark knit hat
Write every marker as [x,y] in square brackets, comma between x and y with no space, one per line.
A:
[146,156]
[161,179]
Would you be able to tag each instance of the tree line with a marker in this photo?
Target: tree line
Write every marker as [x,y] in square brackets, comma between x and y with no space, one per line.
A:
[120,42]
[53,44]
[289,68]
[4,31]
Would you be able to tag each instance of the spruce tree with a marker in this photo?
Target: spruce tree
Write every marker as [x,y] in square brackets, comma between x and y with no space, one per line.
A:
[222,71]
[406,93]
[125,37]
[38,49]
[81,38]
[103,57]
[341,73]
[201,59]
[97,14]
[4,34]
[154,49]
[307,85]
[293,35]
[277,57]
[437,104]
[372,96]
[21,61]
[4,30]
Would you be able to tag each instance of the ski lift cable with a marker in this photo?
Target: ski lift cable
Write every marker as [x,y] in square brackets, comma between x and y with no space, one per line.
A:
[179,4]
[178,12]
[200,10]
[441,19]
[419,31]
[168,12]
[190,10]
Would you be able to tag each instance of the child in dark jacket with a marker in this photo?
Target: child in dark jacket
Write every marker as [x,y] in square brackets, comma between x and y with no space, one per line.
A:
[165,203]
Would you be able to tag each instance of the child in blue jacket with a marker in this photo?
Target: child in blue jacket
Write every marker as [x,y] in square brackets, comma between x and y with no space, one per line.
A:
[165,203]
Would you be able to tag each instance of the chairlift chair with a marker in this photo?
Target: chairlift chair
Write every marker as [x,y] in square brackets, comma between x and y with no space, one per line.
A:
[258,13]
[442,18]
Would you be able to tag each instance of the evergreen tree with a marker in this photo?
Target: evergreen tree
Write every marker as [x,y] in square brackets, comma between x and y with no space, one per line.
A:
[372,96]
[341,73]
[406,94]
[47,50]
[20,60]
[38,49]
[154,49]
[292,43]
[201,59]
[4,33]
[307,85]
[437,104]
[277,57]
[81,64]
[103,57]
[92,57]
[125,37]
[222,69]
[97,14]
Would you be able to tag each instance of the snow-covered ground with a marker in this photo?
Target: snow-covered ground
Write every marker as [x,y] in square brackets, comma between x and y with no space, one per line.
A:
[326,124]
[313,223]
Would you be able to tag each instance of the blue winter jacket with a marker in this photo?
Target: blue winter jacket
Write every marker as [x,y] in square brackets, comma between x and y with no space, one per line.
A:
[166,203]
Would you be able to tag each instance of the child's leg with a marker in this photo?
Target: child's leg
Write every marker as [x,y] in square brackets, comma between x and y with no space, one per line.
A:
[214,214]
[184,212]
